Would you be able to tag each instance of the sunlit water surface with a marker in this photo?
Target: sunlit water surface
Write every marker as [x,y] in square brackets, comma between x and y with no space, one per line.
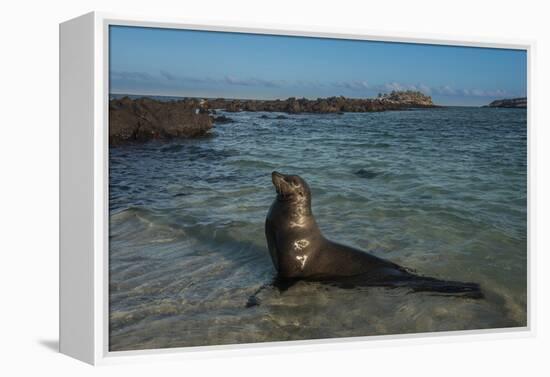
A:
[440,191]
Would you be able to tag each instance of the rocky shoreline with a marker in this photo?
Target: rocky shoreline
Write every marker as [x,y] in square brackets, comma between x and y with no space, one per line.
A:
[143,119]
[510,103]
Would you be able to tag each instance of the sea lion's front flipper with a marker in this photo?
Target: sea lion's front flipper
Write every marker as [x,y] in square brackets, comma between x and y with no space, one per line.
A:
[253,299]
[281,285]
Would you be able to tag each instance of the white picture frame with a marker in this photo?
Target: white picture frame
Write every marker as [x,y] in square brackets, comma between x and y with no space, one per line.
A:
[84,46]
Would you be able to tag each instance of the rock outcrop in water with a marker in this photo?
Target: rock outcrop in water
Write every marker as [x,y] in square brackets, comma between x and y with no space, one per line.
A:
[143,119]
[515,103]
[393,101]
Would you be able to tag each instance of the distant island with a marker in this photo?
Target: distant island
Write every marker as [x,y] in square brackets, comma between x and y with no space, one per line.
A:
[515,103]
[143,119]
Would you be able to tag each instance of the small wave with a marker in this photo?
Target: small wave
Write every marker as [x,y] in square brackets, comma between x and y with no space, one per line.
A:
[258,164]
[141,225]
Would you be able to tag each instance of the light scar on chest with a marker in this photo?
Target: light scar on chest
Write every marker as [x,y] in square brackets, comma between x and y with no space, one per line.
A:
[298,247]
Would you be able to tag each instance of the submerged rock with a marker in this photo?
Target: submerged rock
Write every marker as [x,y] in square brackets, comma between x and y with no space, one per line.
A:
[364,173]
[222,119]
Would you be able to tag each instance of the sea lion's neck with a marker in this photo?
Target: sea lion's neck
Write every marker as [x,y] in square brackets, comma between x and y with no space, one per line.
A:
[298,213]
[300,210]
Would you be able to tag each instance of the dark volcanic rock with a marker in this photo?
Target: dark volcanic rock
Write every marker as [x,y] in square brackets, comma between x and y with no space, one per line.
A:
[519,103]
[392,101]
[222,119]
[143,119]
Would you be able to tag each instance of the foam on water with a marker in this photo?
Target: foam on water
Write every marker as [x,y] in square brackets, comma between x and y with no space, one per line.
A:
[440,191]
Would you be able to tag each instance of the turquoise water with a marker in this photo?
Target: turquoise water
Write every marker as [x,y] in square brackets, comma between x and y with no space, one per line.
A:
[441,191]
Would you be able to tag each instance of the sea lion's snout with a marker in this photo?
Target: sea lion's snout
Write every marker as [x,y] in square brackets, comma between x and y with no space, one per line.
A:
[278,180]
[281,185]
[277,177]
[289,187]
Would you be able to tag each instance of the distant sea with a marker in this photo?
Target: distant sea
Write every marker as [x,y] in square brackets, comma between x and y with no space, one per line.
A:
[441,191]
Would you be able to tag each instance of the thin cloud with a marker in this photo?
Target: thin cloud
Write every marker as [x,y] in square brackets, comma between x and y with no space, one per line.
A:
[254,82]
[425,89]
[353,85]
[446,90]
[168,79]
[135,76]
[394,86]
[168,75]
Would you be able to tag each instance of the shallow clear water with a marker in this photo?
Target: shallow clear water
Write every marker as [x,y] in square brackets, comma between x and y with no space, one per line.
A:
[441,191]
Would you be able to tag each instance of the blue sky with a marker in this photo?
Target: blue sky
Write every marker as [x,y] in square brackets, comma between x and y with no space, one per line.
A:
[213,64]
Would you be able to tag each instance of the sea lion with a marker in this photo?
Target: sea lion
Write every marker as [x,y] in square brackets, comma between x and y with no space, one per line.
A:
[299,250]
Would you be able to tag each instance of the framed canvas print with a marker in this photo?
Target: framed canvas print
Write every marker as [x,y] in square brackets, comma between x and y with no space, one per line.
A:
[225,187]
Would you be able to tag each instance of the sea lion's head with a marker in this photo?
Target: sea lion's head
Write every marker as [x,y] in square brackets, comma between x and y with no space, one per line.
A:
[290,188]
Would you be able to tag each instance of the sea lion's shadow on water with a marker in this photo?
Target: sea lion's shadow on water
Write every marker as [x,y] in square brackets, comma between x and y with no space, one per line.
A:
[414,284]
